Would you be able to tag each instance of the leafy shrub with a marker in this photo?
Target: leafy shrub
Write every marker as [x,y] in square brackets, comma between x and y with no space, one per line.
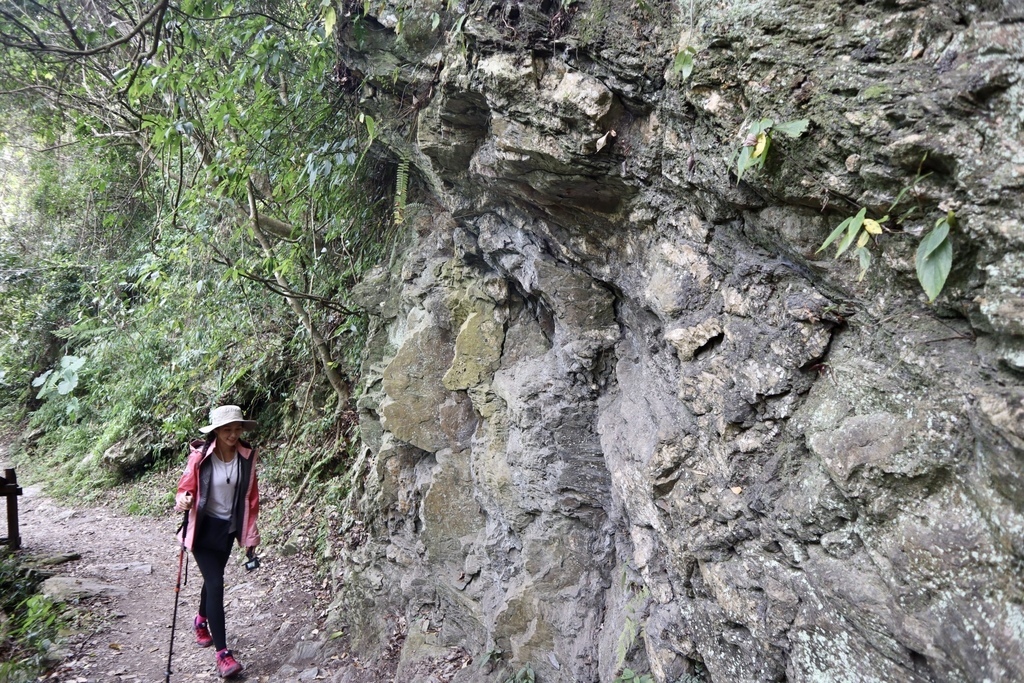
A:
[523,675]
[933,259]
[630,676]
[758,141]
[33,622]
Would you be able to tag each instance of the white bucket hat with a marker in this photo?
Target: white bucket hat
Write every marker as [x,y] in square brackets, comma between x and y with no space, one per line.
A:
[226,415]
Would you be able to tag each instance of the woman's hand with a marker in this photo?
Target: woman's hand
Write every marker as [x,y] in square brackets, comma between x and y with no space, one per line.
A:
[183,502]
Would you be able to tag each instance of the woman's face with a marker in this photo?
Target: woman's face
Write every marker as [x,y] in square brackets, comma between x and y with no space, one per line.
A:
[229,434]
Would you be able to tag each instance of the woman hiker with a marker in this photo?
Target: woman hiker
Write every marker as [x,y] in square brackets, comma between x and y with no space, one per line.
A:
[220,492]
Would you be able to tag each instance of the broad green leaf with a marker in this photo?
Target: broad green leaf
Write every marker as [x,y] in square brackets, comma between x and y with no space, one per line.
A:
[934,261]
[330,19]
[793,129]
[67,385]
[851,232]
[41,379]
[933,239]
[435,21]
[864,237]
[683,63]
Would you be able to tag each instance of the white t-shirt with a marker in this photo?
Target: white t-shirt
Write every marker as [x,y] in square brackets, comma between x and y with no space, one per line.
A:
[222,486]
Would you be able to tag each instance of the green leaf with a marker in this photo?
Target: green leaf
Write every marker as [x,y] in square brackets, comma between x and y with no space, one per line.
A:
[851,232]
[793,129]
[865,261]
[72,363]
[67,385]
[330,19]
[435,21]
[683,63]
[933,239]
[743,162]
[934,260]
[835,234]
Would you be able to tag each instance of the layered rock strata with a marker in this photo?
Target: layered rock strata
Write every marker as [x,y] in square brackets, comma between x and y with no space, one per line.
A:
[620,412]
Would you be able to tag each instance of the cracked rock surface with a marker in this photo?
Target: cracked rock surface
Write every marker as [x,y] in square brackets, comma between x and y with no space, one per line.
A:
[619,411]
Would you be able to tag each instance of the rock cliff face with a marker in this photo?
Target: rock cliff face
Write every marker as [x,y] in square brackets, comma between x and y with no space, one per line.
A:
[620,412]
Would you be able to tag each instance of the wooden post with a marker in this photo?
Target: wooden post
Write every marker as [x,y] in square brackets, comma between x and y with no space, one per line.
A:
[12,491]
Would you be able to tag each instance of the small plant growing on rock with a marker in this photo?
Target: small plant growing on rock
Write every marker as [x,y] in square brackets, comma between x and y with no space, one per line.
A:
[933,260]
[683,64]
[852,227]
[758,141]
[524,675]
[630,676]
[934,257]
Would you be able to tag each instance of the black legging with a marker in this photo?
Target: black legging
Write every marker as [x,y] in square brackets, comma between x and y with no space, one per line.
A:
[212,549]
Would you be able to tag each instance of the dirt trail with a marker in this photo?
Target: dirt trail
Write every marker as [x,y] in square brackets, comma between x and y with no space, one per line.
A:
[272,613]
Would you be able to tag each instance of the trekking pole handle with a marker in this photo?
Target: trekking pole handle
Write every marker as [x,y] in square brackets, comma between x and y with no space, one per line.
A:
[183,527]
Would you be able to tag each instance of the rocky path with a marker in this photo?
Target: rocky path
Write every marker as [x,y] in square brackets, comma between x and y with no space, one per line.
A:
[127,567]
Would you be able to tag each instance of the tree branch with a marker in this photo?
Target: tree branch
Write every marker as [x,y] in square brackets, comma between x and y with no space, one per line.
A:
[275,287]
[38,45]
[338,383]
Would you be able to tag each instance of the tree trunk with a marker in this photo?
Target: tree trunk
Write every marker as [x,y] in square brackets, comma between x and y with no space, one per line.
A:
[338,383]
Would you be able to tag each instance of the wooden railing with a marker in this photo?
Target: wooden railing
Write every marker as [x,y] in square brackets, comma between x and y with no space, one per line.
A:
[10,490]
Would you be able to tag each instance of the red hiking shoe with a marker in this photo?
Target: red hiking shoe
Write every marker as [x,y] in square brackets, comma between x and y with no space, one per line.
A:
[203,637]
[226,664]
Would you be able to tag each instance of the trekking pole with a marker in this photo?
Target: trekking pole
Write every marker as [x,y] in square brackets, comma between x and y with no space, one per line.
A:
[177,591]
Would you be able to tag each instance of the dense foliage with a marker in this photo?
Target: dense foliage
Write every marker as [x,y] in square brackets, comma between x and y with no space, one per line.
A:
[185,200]
[29,623]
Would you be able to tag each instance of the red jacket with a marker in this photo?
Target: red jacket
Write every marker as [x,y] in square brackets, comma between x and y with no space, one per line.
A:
[197,477]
